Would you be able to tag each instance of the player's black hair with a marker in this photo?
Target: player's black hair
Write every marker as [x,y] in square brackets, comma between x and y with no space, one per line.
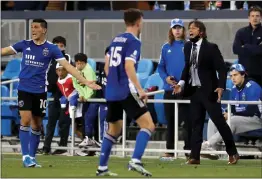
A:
[81,57]
[41,21]
[201,26]
[59,39]
[131,16]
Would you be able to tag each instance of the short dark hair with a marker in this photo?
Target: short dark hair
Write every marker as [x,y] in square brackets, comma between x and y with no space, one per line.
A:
[255,9]
[41,21]
[59,39]
[201,26]
[131,16]
[81,57]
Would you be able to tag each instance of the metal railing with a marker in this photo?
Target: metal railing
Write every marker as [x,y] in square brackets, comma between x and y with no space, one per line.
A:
[72,148]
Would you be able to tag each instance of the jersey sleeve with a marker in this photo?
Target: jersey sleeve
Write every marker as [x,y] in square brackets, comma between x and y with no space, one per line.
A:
[57,54]
[133,51]
[18,47]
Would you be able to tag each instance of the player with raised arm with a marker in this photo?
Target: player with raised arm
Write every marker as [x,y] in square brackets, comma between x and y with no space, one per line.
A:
[37,56]
[121,94]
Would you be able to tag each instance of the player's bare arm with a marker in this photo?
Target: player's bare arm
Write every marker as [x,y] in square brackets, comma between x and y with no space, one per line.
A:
[131,73]
[106,67]
[7,51]
[77,75]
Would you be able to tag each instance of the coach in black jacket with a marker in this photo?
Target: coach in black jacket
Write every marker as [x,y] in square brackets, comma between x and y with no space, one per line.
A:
[55,112]
[248,45]
[199,79]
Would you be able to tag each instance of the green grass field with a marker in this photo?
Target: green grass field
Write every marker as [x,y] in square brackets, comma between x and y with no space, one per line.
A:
[85,167]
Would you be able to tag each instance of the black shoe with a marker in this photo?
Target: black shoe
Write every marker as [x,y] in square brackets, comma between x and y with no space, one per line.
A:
[45,151]
[59,152]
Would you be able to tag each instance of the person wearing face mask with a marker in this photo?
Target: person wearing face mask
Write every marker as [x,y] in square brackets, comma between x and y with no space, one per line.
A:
[171,64]
[199,80]
[248,45]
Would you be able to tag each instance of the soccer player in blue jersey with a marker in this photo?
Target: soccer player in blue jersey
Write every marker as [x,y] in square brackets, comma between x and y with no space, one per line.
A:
[124,92]
[37,56]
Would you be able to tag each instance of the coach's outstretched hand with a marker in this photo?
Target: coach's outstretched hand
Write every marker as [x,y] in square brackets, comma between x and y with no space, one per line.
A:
[93,85]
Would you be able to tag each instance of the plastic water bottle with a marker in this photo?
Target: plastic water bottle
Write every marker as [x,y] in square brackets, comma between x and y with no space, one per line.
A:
[156,6]
[245,6]
[186,5]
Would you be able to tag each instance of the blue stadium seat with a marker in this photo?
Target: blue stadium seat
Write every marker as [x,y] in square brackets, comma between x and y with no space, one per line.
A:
[144,69]
[12,69]
[4,91]
[236,61]
[155,80]
[92,63]
[229,84]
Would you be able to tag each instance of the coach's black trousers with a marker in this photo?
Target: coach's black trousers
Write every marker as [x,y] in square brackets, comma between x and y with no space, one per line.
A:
[200,103]
[183,117]
[56,113]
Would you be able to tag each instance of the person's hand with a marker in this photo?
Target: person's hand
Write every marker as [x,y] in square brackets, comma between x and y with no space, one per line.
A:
[177,89]
[225,115]
[170,81]
[91,84]
[219,92]
[142,95]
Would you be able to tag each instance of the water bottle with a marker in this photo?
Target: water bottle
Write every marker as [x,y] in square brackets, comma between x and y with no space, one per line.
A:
[213,6]
[245,6]
[186,5]
[156,6]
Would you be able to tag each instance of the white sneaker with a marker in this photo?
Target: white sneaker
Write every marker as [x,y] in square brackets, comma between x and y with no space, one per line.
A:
[81,153]
[207,146]
[87,142]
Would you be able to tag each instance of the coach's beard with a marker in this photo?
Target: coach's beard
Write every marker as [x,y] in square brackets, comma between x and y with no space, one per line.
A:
[195,39]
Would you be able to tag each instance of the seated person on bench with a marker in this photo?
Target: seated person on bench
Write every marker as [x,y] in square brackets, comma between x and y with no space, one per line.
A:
[244,117]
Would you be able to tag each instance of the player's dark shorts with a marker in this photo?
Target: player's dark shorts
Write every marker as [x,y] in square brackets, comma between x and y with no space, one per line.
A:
[35,102]
[132,105]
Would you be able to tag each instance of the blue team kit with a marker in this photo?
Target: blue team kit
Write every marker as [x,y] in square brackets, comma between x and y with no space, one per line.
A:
[35,64]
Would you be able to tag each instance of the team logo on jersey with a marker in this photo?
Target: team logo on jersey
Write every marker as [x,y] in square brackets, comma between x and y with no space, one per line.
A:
[134,54]
[45,51]
[21,103]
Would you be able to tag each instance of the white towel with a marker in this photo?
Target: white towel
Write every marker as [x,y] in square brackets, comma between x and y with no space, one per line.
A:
[76,109]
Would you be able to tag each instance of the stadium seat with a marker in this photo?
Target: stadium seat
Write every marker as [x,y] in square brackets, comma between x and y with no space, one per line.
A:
[92,63]
[12,69]
[144,69]
[229,84]
[155,80]
[4,91]
[236,61]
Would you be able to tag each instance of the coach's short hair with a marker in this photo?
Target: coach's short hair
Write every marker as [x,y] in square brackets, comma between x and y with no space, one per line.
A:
[201,26]
[41,21]
[81,57]
[131,16]
[59,39]
[255,9]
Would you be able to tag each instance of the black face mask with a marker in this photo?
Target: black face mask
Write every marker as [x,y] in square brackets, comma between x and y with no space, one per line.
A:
[195,39]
